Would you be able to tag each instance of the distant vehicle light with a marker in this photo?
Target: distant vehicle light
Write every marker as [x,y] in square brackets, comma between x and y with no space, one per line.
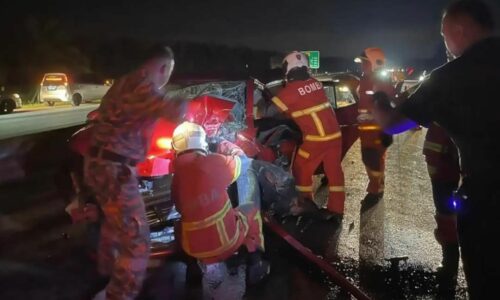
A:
[343,89]
[357,60]
[421,78]
[164,143]
[384,73]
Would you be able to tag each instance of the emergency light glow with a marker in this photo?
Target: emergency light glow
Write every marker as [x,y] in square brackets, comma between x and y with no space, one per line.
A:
[164,143]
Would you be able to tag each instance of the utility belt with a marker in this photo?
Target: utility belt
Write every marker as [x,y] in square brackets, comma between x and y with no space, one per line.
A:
[101,153]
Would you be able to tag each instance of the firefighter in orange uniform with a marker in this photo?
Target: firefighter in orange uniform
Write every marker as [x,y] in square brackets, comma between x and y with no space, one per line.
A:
[374,141]
[304,100]
[441,156]
[211,229]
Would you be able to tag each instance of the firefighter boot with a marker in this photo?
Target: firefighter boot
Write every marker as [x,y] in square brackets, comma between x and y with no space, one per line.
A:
[326,215]
[257,268]
[446,235]
[370,201]
[447,272]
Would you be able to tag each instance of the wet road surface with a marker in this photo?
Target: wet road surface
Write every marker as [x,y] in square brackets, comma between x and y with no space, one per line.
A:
[43,256]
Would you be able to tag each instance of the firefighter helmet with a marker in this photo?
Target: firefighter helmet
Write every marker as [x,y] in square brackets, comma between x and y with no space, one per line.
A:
[294,60]
[189,136]
[375,56]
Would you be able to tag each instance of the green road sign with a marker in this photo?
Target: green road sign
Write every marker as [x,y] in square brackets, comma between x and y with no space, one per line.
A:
[313,59]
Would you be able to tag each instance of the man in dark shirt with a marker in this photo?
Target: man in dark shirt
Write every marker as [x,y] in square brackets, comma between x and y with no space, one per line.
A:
[463,98]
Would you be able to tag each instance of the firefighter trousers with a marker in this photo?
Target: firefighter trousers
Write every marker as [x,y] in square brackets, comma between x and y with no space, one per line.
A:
[309,157]
[249,204]
[124,242]
[373,156]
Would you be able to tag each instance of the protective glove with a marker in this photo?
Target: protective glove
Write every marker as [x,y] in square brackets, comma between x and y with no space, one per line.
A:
[382,101]
[227,148]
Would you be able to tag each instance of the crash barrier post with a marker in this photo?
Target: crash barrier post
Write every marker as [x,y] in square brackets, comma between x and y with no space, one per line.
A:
[322,264]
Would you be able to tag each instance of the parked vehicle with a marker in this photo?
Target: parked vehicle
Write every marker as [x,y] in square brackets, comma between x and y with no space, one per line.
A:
[9,101]
[58,87]
[229,110]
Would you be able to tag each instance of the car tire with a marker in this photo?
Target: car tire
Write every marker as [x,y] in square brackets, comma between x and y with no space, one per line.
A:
[76,99]
[51,103]
[7,106]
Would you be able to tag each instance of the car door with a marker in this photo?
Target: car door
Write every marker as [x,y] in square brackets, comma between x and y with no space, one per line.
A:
[345,105]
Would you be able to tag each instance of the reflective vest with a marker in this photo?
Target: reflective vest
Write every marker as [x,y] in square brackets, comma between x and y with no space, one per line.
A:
[211,230]
[306,102]
[441,155]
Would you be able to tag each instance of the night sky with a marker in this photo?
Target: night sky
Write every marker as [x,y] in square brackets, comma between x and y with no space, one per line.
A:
[406,29]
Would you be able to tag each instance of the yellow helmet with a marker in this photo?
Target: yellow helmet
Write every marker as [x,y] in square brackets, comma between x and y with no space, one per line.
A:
[189,136]
[375,56]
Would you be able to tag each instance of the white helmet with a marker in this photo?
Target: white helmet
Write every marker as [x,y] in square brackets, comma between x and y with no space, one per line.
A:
[188,136]
[294,60]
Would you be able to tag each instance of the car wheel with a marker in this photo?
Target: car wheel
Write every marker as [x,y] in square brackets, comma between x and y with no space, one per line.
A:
[76,99]
[51,103]
[7,106]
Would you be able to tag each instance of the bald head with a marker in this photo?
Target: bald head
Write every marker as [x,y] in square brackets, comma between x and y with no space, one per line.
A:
[464,23]
[158,65]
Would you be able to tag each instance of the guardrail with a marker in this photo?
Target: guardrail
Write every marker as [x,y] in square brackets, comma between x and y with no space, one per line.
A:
[25,123]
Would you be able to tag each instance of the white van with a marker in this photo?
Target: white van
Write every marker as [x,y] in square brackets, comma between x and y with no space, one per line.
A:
[54,88]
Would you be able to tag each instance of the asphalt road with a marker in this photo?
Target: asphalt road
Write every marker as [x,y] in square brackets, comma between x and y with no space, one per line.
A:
[30,122]
[42,256]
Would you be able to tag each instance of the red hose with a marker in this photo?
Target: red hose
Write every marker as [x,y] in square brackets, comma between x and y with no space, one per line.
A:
[323,265]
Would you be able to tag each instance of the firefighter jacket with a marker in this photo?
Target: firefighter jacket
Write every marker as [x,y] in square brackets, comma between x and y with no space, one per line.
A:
[307,104]
[369,131]
[211,230]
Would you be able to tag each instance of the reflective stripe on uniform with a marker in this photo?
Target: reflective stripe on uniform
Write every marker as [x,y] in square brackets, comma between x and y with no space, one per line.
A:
[216,219]
[434,147]
[303,153]
[279,103]
[223,248]
[258,219]
[311,110]
[208,221]
[369,127]
[336,189]
[304,188]
[317,138]
[319,124]
[375,173]
[237,168]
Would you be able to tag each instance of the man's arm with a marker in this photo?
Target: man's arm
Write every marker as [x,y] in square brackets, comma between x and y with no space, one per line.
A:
[149,104]
[420,107]
[390,118]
